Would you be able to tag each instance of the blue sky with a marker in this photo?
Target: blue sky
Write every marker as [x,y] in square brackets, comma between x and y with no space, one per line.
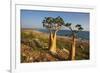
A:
[33,18]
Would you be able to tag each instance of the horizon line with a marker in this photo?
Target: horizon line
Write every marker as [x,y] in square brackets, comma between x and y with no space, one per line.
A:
[46,29]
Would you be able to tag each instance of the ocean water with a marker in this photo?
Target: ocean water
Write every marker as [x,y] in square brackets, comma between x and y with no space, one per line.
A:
[84,35]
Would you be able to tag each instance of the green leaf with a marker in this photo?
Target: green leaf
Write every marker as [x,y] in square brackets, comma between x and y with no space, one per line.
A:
[68,24]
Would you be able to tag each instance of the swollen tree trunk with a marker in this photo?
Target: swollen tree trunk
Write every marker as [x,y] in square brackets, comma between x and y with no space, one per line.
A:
[52,42]
[73,48]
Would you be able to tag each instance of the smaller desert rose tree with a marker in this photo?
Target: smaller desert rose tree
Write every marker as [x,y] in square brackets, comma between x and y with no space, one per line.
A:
[74,30]
[53,25]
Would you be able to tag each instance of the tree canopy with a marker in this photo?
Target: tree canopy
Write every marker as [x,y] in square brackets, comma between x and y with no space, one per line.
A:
[53,23]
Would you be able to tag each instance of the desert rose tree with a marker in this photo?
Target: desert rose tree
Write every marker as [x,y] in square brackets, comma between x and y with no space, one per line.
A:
[74,30]
[53,25]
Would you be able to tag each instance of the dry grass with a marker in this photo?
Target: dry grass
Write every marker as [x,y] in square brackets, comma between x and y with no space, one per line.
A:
[34,48]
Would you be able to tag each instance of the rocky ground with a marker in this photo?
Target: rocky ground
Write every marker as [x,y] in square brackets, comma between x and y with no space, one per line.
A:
[34,48]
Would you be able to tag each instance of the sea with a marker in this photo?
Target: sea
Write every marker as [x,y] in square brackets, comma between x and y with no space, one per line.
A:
[83,35]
